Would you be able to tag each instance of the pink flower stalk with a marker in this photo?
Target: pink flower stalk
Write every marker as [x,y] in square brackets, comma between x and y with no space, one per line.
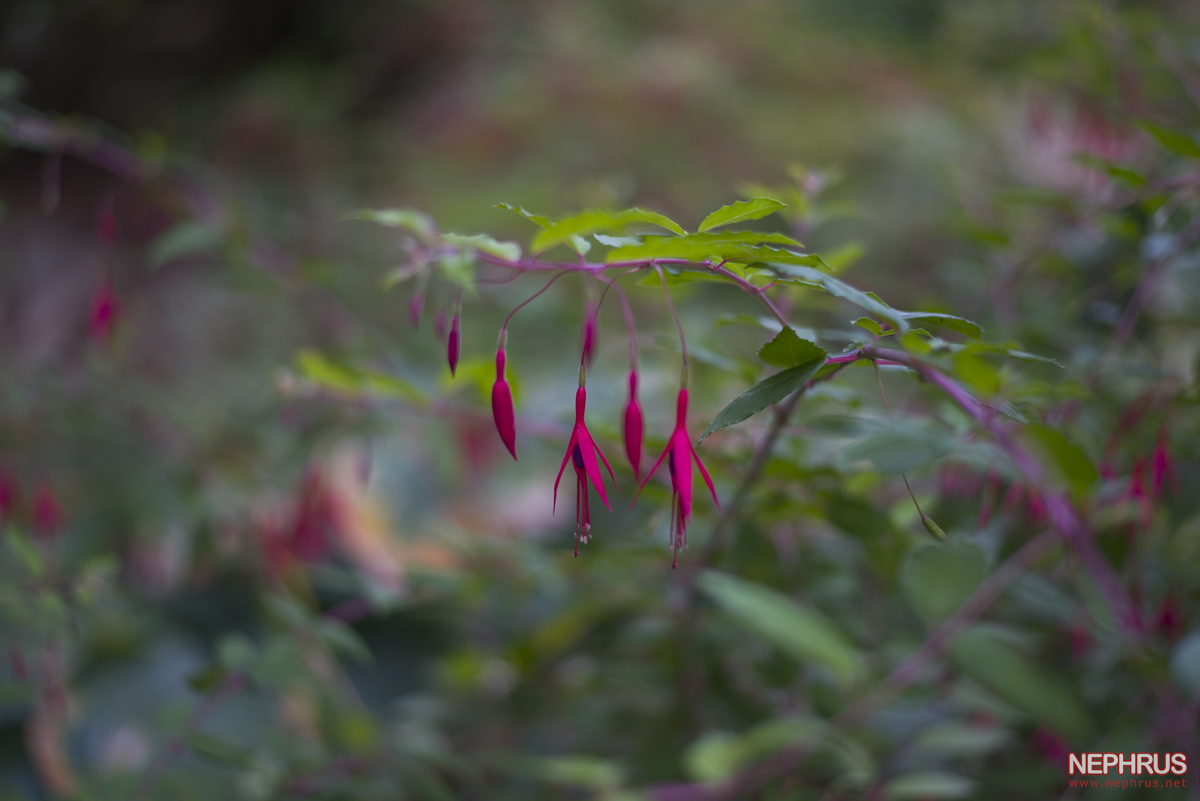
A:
[502,401]
[679,454]
[580,449]
[102,316]
[454,341]
[634,427]
[589,335]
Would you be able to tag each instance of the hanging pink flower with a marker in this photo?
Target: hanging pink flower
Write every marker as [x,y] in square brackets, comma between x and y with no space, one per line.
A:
[502,401]
[581,452]
[415,304]
[679,454]
[454,341]
[634,427]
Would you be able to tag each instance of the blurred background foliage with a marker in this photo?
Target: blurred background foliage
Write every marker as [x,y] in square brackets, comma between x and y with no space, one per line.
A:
[258,544]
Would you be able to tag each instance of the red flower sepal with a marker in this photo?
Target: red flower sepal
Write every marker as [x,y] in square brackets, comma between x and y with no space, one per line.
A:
[679,454]
[581,452]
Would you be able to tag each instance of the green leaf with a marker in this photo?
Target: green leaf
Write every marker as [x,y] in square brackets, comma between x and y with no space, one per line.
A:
[24,550]
[959,324]
[1126,174]
[763,394]
[1068,463]
[961,739]
[902,447]
[1175,141]
[800,631]
[536,219]
[598,220]
[207,679]
[998,666]
[928,784]
[236,652]
[718,755]
[845,256]
[937,578]
[869,324]
[864,300]
[341,377]
[217,749]
[977,372]
[509,251]
[743,210]
[188,238]
[618,241]
[415,222]
[579,771]
[789,350]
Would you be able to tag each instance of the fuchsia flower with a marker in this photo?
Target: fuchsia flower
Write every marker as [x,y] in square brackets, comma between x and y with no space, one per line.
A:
[679,454]
[502,401]
[103,314]
[415,304]
[580,449]
[454,341]
[634,427]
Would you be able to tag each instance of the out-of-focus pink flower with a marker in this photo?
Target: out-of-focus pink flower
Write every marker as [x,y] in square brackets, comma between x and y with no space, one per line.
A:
[1162,469]
[502,401]
[634,427]
[102,316]
[1050,746]
[454,341]
[439,324]
[1137,492]
[1168,618]
[415,304]
[9,494]
[581,452]
[679,454]
[47,513]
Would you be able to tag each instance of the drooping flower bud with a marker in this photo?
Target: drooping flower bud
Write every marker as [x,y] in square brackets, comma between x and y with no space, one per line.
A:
[454,341]
[589,335]
[415,304]
[502,401]
[439,325]
[102,316]
[634,427]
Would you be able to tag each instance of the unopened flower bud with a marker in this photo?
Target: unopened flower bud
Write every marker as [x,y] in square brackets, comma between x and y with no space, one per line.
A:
[454,341]
[634,427]
[502,401]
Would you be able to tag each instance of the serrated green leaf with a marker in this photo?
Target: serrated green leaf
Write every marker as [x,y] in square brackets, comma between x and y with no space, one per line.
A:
[959,324]
[415,222]
[869,324]
[187,238]
[589,222]
[998,666]
[928,784]
[787,350]
[741,211]
[937,578]
[800,631]
[763,394]
[509,251]
[839,289]
[1174,141]
[536,219]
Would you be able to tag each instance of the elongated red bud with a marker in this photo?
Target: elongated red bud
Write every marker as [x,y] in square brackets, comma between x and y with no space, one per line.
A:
[589,335]
[502,402]
[454,342]
[415,304]
[634,427]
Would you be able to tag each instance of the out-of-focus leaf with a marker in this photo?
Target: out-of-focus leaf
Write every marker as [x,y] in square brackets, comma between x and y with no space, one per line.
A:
[763,394]
[344,640]
[24,550]
[236,652]
[1174,141]
[743,210]
[961,739]
[937,578]
[1126,174]
[208,679]
[342,377]
[1068,463]
[579,771]
[718,755]
[458,268]
[787,349]
[415,222]
[802,632]
[187,238]
[217,749]
[977,372]
[589,222]
[997,665]
[844,257]
[509,251]
[903,447]
[928,784]
[537,219]
[1185,664]
[959,324]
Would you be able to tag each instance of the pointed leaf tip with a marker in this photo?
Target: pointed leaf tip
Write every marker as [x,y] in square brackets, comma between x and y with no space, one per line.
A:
[753,209]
